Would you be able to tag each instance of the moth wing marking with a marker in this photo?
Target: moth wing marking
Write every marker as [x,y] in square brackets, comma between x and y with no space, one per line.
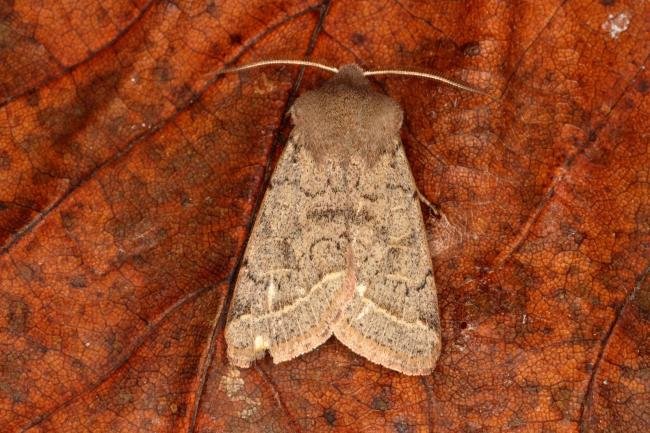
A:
[292,281]
[394,320]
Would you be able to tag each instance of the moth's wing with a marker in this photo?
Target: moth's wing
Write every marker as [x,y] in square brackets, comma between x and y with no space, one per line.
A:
[293,276]
[393,317]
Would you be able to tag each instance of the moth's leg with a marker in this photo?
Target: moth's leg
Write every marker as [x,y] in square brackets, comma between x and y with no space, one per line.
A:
[435,209]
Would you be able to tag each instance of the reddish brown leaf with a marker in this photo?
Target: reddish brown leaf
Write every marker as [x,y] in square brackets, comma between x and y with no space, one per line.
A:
[130,171]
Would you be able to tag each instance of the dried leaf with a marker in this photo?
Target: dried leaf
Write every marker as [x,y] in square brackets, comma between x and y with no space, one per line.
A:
[130,171]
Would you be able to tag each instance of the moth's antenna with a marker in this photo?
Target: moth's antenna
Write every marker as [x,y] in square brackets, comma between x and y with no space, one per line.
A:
[435,77]
[365,73]
[283,62]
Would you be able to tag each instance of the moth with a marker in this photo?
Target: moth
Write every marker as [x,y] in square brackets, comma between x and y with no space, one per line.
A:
[339,244]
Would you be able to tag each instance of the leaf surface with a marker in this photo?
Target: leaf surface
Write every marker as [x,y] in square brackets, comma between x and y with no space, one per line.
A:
[131,171]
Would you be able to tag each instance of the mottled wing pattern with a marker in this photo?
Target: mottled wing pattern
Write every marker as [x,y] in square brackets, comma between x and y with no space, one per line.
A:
[339,245]
[292,281]
[392,318]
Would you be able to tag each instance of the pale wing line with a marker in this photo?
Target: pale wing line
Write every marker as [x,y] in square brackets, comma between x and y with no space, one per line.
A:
[297,301]
[363,312]
[331,277]
[417,324]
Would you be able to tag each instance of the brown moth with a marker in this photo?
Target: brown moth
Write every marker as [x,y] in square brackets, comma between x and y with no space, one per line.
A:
[339,245]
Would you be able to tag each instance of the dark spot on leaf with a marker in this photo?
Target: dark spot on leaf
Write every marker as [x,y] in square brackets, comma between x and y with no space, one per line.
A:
[33,99]
[53,120]
[61,124]
[102,16]
[7,389]
[402,427]
[68,220]
[643,86]
[17,316]
[185,199]
[33,245]
[358,38]
[117,125]
[607,2]
[471,49]
[593,135]
[17,397]
[6,7]
[380,403]
[5,160]
[139,260]
[235,39]
[330,416]
[78,282]
[463,325]
[63,121]
[163,71]
[183,95]
[216,49]
[212,8]
[113,344]
[3,206]
[642,298]
[29,273]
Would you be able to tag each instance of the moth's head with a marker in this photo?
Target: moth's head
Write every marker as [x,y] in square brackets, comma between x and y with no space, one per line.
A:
[347,114]
[346,117]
